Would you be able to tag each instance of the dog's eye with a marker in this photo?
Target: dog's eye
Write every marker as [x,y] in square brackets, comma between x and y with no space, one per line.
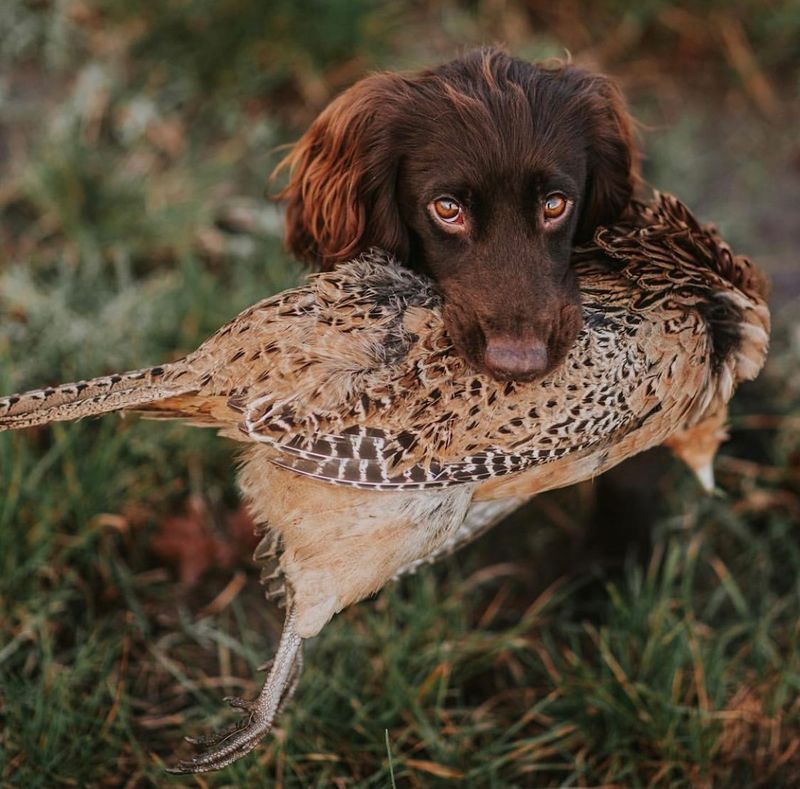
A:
[554,206]
[448,210]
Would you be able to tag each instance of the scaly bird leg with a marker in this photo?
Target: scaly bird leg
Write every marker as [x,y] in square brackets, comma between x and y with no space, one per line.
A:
[225,748]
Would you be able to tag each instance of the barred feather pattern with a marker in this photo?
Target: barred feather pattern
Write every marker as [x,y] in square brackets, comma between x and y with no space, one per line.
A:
[350,379]
[84,398]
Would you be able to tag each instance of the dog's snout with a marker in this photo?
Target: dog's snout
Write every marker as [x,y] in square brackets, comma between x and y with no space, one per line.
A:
[517,358]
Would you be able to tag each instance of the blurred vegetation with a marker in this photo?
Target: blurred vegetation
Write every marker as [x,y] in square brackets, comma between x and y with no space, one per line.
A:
[602,636]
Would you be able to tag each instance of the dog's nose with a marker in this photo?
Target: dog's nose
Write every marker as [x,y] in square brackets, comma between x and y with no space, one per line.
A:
[516,358]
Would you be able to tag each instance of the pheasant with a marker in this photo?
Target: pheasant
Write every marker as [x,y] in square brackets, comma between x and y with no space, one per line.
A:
[371,447]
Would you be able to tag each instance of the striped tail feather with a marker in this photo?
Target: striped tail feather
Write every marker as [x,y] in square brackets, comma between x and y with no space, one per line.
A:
[89,398]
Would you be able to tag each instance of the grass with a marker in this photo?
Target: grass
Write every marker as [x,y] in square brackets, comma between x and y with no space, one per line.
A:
[627,633]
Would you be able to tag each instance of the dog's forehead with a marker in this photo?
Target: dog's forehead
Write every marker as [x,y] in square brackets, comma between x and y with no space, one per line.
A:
[496,142]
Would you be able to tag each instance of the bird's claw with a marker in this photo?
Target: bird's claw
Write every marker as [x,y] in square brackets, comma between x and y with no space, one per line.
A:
[224,748]
[239,703]
[209,740]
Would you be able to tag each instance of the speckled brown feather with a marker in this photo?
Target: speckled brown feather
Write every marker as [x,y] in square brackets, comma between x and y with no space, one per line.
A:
[351,380]
[373,447]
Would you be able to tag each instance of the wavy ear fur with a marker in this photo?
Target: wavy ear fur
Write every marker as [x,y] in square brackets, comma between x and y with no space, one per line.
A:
[340,198]
[613,166]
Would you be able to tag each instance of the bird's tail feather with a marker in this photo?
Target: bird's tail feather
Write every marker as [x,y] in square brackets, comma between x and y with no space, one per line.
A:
[98,396]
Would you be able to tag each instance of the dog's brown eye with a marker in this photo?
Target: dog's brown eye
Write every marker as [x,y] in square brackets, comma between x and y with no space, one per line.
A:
[554,206]
[448,210]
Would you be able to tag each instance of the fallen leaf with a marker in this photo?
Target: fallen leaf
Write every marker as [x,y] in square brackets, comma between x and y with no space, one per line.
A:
[187,542]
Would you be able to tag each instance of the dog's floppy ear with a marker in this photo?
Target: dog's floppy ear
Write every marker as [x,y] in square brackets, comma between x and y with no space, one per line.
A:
[340,198]
[613,158]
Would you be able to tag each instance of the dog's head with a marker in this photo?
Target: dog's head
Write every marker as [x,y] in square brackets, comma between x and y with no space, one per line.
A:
[482,173]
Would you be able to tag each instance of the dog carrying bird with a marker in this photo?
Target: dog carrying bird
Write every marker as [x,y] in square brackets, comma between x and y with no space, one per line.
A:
[482,173]
[372,446]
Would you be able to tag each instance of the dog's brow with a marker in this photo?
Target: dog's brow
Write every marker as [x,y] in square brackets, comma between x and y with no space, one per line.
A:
[459,189]
[551,178]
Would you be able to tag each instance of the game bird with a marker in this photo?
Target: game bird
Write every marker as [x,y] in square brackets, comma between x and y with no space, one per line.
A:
[371,446]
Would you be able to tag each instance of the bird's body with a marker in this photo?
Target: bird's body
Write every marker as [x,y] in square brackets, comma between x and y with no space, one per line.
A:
[373,447]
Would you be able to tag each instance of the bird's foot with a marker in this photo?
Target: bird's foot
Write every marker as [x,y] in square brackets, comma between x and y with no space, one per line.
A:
[208,740]
[224,748]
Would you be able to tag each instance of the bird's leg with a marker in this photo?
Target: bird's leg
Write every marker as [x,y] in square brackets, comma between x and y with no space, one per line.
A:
[225,748]
[294,681]
[294,678]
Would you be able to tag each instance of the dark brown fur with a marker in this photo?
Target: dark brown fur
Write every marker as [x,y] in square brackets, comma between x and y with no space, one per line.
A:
[498,134]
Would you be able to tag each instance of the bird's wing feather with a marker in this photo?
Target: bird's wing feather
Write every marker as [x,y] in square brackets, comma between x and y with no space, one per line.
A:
[465,428]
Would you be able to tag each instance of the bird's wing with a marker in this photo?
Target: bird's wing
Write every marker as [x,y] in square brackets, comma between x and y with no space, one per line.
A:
[353,379]
[459,428]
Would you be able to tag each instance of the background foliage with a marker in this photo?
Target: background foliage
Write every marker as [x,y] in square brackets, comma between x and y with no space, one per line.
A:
[627,633]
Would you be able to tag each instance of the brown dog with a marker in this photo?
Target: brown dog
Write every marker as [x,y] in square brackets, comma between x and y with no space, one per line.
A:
[483,173]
